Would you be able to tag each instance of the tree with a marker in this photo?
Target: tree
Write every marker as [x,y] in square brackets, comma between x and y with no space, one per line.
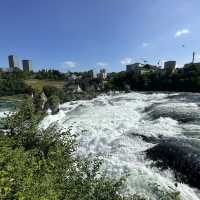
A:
[54,91]
[53,103]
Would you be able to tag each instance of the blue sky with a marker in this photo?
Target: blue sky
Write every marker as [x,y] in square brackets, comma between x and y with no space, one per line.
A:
[81,34]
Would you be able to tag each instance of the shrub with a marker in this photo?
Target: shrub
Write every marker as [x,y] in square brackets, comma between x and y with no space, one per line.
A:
[53,103]
[14,86]
[53,91]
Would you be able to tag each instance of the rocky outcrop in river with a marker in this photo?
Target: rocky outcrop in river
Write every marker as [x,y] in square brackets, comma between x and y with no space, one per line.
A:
[181,155]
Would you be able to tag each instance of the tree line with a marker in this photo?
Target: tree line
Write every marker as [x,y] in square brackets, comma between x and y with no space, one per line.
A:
[13,83]
[182,80]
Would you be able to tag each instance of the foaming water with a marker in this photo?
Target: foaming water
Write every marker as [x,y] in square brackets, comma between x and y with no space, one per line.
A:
[4,114]
[6,108]
[106,127]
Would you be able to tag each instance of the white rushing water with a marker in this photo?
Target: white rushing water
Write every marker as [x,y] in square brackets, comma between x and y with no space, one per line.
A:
[6,108]
[106,127]
[4,114]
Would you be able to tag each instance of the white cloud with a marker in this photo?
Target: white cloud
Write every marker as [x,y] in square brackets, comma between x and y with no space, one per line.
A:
[179,65]
[102,64]
[126,61]
[145,44]
[70,64]
[181,32]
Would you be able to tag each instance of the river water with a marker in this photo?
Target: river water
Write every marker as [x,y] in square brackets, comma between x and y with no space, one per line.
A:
[108,127]
[6,106]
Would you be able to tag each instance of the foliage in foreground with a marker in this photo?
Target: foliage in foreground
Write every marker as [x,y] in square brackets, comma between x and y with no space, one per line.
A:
[38,165]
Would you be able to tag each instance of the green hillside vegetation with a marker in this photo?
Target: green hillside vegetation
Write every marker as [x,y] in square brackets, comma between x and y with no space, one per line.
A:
[40,84]
[13,83]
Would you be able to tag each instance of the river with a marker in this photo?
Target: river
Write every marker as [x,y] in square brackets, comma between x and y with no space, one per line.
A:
[111,127]
[7,106]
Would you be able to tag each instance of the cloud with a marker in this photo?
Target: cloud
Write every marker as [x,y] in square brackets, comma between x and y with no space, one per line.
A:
[145,44]
[102,64]
[126,61]
[179,65]
[182,32]
[70,64]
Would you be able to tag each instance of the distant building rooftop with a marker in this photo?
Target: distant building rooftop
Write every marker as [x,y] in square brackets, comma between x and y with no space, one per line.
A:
[141,68]
[132,67]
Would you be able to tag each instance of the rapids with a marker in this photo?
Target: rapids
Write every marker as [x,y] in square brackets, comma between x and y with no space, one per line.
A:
[109,127]
[6,107]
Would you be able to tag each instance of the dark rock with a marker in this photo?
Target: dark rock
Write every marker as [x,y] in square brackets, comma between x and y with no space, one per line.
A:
[183,156]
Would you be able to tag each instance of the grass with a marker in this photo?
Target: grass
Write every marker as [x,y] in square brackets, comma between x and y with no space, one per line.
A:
[36,84]
[17,98]
[39,84]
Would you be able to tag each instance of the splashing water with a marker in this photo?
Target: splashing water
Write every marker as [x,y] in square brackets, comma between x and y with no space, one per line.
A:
[107,125]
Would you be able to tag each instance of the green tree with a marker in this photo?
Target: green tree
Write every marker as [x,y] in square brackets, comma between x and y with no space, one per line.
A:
[53,91]
[53,103]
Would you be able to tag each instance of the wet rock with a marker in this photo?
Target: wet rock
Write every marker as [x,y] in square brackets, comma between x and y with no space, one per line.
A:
[183,156]
[179,111]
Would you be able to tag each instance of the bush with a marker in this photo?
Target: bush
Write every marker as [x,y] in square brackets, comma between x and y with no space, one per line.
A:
[39,100]
[53,103]
[53,91]
[14,86]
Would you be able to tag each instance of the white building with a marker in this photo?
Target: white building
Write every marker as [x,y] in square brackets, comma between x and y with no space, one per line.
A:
[139,68]
[73,77]
[92,74]
[103,74]
[134,67]
[170,66]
